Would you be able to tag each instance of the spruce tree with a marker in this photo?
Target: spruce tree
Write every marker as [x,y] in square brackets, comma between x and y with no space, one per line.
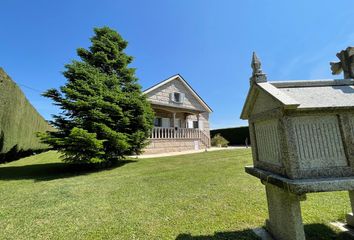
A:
[104,115]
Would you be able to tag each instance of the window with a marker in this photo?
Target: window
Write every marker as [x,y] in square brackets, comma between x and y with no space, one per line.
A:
[195,124]
[177,97]
[158,122]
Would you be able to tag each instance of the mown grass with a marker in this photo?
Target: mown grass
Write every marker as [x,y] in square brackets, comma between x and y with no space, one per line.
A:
[197,197]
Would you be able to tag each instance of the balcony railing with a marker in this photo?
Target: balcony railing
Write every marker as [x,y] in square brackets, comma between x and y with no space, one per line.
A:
[179,133]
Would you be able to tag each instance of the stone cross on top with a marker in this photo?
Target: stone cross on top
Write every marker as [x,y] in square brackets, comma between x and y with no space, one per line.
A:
[346,63]
[257,75]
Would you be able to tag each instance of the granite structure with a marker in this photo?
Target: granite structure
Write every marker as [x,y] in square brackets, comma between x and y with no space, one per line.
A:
[302,135]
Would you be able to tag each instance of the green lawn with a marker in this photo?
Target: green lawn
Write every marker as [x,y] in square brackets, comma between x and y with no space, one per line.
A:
[197,197]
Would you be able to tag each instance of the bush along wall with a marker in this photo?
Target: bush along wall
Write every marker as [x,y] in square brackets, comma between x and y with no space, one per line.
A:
[235,136]
[19,122]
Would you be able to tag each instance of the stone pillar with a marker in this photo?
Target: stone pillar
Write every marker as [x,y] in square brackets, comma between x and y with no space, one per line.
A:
[350,217]
[285,222]
[174,119]
[198,120]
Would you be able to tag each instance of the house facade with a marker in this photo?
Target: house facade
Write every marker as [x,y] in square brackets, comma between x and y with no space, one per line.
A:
[181,117]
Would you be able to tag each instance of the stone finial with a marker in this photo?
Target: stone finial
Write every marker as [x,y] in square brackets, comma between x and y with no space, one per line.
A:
[346,63]
[257,75]
[256,64]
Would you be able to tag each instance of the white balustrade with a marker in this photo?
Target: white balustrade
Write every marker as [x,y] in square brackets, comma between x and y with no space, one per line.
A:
[172,133]
[179,133]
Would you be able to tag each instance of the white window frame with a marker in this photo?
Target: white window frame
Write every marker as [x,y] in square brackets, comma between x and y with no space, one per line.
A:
[173,97]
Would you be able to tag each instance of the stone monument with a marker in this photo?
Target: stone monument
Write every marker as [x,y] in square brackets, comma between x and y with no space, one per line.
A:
[302,136]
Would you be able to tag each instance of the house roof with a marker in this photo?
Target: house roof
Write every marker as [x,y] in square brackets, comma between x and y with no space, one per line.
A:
[185,83]
[305,95]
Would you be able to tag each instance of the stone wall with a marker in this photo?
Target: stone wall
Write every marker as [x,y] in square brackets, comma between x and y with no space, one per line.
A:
[162,95]
[172,145]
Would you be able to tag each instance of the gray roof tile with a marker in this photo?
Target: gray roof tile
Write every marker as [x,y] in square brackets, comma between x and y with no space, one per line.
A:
[319,94]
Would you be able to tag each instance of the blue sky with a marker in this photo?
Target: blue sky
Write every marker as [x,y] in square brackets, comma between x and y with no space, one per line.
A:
[208,42]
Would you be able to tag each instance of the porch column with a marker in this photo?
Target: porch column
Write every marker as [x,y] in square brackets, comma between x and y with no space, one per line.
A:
[174,119]
[185,120]
[174,125]
[198,125]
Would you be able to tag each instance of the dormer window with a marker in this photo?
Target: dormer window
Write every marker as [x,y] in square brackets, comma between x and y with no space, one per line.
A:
[177,97]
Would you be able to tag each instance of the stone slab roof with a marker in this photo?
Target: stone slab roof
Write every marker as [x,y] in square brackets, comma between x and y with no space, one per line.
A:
[304,95]
[318,93]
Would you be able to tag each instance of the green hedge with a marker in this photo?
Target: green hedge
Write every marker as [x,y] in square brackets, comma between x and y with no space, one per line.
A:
[235,136]
[19,121]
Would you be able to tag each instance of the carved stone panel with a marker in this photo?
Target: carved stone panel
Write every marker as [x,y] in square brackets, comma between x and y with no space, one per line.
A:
[267,138]
[351,122]
[319,142]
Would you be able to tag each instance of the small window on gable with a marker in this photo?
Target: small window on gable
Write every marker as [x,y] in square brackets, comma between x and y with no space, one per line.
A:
[177,97]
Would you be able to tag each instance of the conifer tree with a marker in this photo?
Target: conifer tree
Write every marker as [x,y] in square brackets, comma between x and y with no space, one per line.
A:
[104,114]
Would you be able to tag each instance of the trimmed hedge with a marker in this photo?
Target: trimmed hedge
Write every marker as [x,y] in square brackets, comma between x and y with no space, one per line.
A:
[19,121]
[235,136]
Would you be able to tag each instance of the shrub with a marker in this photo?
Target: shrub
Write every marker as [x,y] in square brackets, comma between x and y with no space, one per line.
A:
[219,141]
[235,136]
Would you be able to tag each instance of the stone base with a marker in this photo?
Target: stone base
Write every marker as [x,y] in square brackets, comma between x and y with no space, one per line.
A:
[284,196]
[285,222]
[157,146]
[303,186]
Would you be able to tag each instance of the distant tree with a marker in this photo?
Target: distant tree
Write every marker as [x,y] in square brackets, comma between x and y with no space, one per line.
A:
[104,114]
[219,141]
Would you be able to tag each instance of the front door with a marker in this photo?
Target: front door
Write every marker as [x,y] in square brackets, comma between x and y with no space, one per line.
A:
[177,122]
[196,145]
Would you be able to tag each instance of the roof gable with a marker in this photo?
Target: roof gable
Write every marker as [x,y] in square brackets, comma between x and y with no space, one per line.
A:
[266,89]
[263,102]
[179,78]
